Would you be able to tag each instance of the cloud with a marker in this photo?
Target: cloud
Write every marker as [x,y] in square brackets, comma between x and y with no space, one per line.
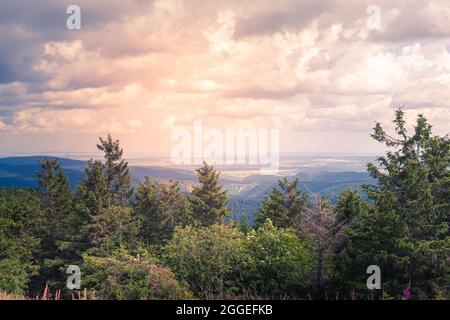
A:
[414,20]
[44,121]
[282,16]
[300,66]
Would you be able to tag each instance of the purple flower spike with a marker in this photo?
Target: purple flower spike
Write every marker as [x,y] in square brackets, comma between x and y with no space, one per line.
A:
[407,294]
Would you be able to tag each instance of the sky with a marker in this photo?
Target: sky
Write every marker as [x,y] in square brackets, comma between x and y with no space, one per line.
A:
[321,72]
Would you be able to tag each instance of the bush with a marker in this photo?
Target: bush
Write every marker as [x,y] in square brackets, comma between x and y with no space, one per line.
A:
[123,275]
[277,262]
[207,258]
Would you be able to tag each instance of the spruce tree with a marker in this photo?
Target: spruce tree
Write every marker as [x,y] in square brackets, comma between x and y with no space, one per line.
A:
[406,232]
[357,243]
[283,206]
[22,219]
[113,227]
[244,225]
[103,195]
[349,206]
[93,190]
[208,200]
[117,172]
[59,231]
[161,207]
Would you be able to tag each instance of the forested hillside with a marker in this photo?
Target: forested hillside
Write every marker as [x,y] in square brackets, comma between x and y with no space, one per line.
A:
[19,172]
[152,240]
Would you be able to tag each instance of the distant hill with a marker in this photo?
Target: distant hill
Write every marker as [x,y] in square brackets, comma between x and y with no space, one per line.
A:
[245,194]
[34,160]
[327,184]
[140,172]
[20,172]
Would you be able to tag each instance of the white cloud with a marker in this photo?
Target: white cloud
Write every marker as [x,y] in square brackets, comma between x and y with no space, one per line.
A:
[309,66]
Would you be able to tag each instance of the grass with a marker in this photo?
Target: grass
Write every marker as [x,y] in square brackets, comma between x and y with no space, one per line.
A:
[8,296]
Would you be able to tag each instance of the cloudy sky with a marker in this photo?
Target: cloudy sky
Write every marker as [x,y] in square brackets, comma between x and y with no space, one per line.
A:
[322,72]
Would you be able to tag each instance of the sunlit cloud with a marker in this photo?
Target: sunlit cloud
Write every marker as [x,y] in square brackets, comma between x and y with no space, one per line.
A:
[139,68]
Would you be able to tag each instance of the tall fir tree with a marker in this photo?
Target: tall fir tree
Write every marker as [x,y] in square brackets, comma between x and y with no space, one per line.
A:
[103,195]
[208,199]
[283,205]
[93,191]
[353,228]
[406,232]
[115,226]
[22,222]
[161,207]
[348,207]
[117,172]
[58,242]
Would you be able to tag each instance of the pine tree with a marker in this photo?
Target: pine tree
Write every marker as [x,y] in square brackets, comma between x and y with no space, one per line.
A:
[93,191]
[349,206]
[283,206]
[354,226]
[113,227]
[55,193]
[117,172]
[244,225]
[22,218]
[208,200]
[161,207]
[103,194]
[60,227]
[406,232]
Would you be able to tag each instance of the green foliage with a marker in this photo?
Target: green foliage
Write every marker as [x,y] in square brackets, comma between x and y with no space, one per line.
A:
[206,258]
[406,232]
[117,172]
[370,240]
[319,225]
[21,218]
[298,248]
[128,275]
[350,265]
[277,262]
[283,206]
[114,226]
[244,225]
[102,197]
[349,206]
[243,208]
[93,192]
[161,207]
[14,272]
[208,200]
[59,228]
